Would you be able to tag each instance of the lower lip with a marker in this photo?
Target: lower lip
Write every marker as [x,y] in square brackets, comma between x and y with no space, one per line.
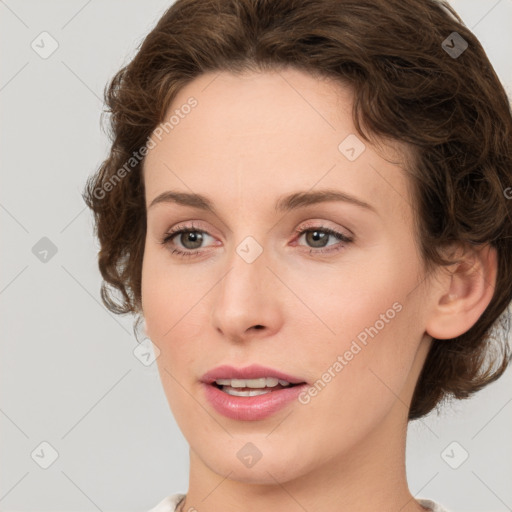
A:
[250,408]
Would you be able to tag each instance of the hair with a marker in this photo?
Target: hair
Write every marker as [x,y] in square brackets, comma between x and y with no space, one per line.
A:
[452,111]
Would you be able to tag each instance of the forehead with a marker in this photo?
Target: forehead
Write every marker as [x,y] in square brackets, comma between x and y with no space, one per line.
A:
[255,136]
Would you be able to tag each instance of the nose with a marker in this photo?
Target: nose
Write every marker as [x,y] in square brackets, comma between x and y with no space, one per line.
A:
[247,299]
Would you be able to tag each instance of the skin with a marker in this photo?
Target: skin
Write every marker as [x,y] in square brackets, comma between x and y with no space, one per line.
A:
[251,139]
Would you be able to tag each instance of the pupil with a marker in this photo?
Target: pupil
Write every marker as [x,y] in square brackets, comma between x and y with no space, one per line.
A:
[192,236]
[318,236]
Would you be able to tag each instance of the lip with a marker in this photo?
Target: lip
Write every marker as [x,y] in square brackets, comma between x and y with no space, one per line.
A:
[251,408]
[254,371]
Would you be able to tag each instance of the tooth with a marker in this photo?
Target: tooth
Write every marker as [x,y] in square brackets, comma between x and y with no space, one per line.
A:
[255,383]
[262,382]
[271,382]
[253,392]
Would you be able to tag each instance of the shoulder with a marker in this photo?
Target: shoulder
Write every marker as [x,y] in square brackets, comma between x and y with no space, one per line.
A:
[168,504]
[431,505]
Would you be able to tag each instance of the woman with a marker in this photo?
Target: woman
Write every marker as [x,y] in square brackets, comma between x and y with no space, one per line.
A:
[306,203]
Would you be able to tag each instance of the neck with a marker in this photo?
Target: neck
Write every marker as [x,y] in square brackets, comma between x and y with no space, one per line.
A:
[372,476]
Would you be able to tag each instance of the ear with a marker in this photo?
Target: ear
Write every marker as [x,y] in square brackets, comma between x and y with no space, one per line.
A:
[463,293]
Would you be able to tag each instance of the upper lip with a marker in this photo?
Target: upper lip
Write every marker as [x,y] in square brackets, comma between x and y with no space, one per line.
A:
[254,371]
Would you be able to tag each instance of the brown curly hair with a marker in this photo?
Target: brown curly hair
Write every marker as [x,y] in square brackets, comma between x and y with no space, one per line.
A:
[450,109]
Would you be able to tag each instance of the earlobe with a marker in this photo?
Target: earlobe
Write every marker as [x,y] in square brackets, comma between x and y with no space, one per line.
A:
[464,294]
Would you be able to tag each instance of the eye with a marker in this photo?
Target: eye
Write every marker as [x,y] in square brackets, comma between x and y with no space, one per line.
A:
[190,238]
[319,235]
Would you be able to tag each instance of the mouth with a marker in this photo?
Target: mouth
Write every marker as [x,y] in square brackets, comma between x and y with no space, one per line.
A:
[251,393]
[253,380]
[252,377]
[252,387]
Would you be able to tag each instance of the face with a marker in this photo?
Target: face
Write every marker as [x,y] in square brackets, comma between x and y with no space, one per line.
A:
[331,292]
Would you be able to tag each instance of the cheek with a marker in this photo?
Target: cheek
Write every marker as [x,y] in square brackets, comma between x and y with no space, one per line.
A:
[173,306]
[363,299]
[369,337]
[356,384]
[166,293]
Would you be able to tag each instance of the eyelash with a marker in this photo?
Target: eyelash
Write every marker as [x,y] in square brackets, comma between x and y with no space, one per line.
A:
[305,229]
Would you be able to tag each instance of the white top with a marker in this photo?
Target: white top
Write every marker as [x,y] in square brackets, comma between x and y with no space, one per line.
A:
[170,504]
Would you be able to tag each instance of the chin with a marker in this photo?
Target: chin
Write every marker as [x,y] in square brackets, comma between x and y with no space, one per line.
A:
[265,471]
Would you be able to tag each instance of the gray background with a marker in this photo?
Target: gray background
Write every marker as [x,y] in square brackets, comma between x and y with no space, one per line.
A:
[68,373]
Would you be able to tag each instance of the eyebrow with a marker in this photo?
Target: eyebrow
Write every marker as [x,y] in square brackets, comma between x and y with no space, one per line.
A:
[283,204]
